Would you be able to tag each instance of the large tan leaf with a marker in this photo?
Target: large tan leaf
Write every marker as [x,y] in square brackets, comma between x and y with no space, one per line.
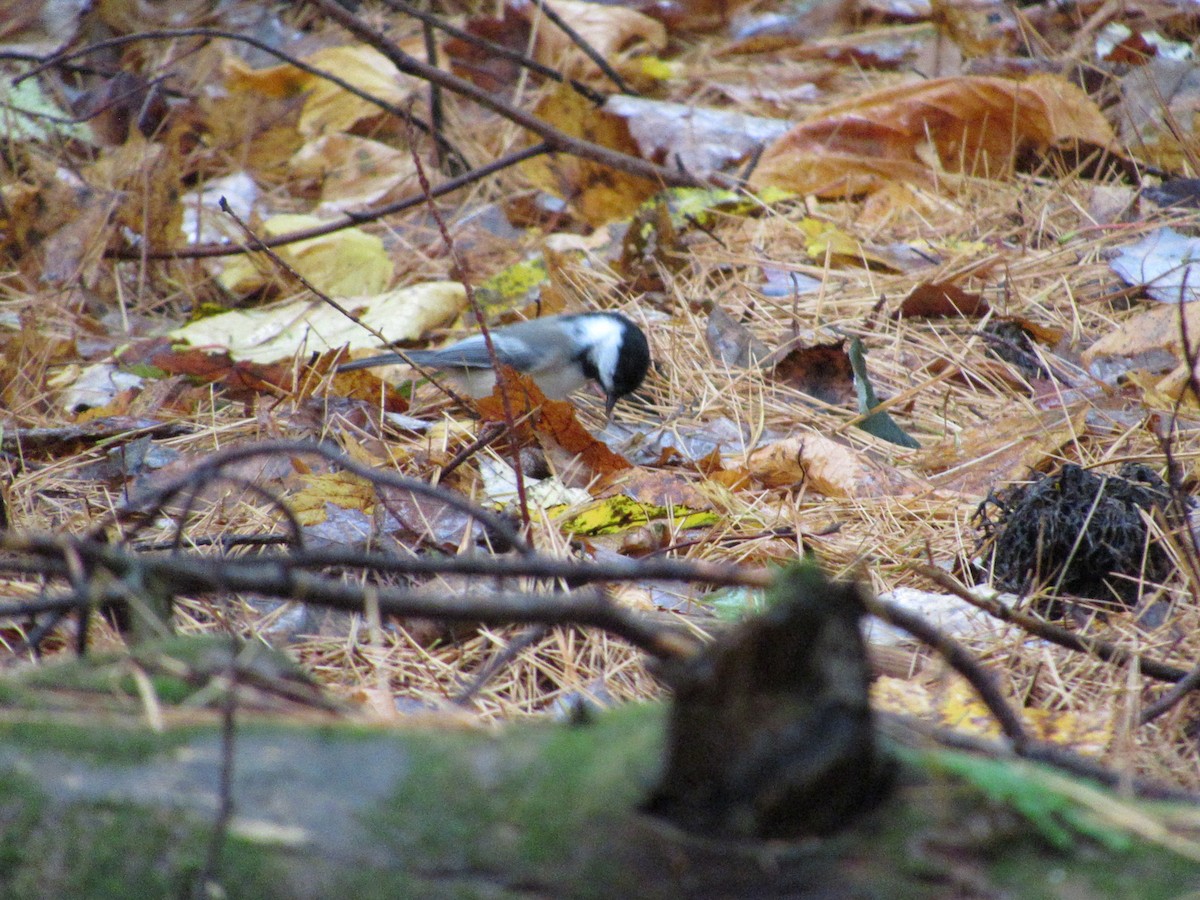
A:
[283,330]
[354,172]
[346,263]
[974,125]
[830,467]
[328,108]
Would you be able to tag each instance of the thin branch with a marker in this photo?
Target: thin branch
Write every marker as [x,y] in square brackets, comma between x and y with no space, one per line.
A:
[437,117]
[957,657]
[571,572]
[462,273]
[899,727]
[347,219]
[1185,685]
[588,50]
[191,575]
[495,50]
[558,140]
[211,466]
[204,885]
[1092,646]
[258,244]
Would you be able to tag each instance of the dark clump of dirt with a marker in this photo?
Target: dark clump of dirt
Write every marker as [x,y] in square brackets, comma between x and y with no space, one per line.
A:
[1013,344]
[1078,533]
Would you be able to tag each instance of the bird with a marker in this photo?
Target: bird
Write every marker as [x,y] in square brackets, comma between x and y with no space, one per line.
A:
[560,353]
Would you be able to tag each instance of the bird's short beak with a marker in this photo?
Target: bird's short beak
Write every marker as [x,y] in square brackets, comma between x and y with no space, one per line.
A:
[609,405]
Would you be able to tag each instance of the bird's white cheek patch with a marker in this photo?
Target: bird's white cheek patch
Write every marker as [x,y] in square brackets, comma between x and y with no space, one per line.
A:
[605,337]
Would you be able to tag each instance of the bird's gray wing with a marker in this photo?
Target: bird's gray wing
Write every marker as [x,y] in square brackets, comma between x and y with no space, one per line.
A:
[472,353]
[368,362]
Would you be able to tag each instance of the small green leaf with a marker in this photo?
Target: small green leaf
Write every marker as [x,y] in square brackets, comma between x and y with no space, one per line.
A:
[879,423]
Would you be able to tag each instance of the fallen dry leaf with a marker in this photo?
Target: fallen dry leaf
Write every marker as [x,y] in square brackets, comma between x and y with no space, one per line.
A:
[973,125]
[597,193]
[304,326]
[1008,449]
[701,140]
[1152,329]
[931,300]
[830,467]
[343,263]
[554,420]
[613,31]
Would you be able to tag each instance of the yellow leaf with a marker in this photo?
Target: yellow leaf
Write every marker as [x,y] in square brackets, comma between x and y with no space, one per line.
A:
[275,82]
[331,109]
[598,193]
[901,695]
[613,31]
[959,708]
[339,488]
[344,263]
[615,514]
[300,327]
[658,69]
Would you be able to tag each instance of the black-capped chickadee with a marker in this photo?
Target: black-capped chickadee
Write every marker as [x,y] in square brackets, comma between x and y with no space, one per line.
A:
[560,353]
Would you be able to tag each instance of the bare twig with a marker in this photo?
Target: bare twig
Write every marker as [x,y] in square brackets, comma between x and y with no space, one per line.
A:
[212,465]
[558,140]
[577,39]
[191,575]
[494,50]
[571,572]
[214,33]
[1092,646]
[1170,698]
[257,243]
[899,727]
[957,657]
[203,886]
[515,647]
[462,273]
[347,220]
[437,118]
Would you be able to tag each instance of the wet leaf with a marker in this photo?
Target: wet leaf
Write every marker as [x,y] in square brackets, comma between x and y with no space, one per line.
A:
[933,300]
[302,327]
[1164,262]
[343,263]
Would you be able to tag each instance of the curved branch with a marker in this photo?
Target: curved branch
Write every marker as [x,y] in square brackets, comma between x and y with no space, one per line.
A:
[1102,650]
[558,141]
[497,50]
[347,220]
[211,467]
[188,574]
[216,33]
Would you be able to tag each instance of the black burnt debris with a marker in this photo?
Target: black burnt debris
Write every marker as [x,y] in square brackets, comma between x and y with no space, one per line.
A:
[1078,533]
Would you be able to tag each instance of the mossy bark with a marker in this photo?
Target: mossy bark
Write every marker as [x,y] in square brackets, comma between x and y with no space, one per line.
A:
[109,808]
